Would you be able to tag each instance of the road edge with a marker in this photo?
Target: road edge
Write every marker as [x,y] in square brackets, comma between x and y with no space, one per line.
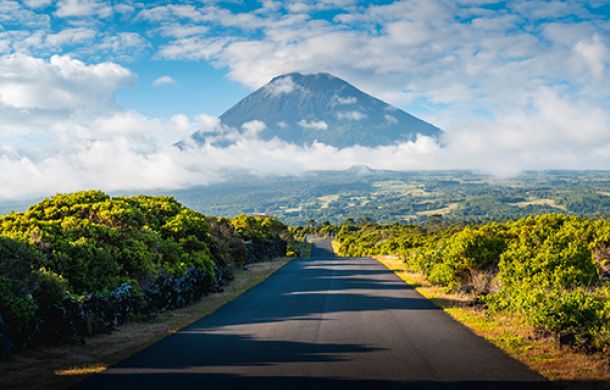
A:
[215,306]
[505,335]
[172,322]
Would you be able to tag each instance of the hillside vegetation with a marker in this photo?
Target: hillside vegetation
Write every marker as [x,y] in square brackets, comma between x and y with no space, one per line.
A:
[553,269]
[81,264]
[413,197]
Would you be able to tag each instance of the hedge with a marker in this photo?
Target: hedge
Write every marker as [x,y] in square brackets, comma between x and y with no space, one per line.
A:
[81,264]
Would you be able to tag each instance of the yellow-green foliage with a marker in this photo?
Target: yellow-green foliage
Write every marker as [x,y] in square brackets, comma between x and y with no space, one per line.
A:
[257,228]
[95,242]
[87,247]
[326,229]
[376,239]
[265,231]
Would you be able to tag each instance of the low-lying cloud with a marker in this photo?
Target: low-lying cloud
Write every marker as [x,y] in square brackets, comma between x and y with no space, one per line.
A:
[62,131]
[129,160]
[317,125]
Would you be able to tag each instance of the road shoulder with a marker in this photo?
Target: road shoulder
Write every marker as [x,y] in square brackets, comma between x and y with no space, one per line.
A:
[61,367]
[510,333]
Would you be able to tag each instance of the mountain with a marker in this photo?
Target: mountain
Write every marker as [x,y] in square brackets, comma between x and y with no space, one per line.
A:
[361,170]
[303,108]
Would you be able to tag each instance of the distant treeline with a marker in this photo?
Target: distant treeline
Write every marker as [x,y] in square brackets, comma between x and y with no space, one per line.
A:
[553,269]
[80,264]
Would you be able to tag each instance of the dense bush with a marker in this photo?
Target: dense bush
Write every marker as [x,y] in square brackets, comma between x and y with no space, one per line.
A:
[552,268]
[325,229]
[265,237]
[80,264]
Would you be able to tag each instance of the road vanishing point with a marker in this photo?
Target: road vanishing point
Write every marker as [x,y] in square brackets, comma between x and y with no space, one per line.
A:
[323,322]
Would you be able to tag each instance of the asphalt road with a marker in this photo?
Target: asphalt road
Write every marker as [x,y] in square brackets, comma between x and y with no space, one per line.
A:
[323,322]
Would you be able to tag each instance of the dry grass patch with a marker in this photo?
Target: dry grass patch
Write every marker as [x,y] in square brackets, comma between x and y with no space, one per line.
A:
[541,202]
[335,245]
[442,211]
[60,367]
[511,333]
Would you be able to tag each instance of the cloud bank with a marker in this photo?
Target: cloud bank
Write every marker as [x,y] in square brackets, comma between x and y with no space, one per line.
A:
[515,85]
[77,137]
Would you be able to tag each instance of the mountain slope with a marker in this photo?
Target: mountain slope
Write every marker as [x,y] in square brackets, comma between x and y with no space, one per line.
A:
[303,108]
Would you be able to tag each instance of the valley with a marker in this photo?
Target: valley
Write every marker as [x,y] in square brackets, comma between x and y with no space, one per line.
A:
[405,197]
[390,196]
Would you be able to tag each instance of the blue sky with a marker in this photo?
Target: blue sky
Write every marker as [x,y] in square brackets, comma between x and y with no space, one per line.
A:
[198,87]
[161,44]
[521,84]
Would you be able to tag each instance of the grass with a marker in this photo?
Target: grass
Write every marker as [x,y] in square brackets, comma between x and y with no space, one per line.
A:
[61,367]
[511,333]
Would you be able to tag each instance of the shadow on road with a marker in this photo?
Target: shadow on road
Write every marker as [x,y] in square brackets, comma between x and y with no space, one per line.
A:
[299,294]
[229,381]
[201,348]
[322,249]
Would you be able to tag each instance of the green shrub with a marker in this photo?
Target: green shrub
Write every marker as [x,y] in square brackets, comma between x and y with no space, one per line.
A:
[19,306]
[50,288]
[79,260]
[18,259]
[582,316]
[19,311]
[442,274]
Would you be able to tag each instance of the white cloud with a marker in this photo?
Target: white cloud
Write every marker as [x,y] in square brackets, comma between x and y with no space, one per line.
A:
[83,40]
[70,36]
[390,119]
[141,158]
[144,166]
[419,55]
[123,46]
[37,3]
[536,70]
[83,8]
[318,125]
[168,12]
[62,83]
[181,122]
[88,165]
[548,9]
[350,115]
[209,123]
[193,48]
[346,100]
[124,8]
[281,86]
[594,54]
[163,80]
[253,128]
[180,31]
[11,12]
[193,14]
